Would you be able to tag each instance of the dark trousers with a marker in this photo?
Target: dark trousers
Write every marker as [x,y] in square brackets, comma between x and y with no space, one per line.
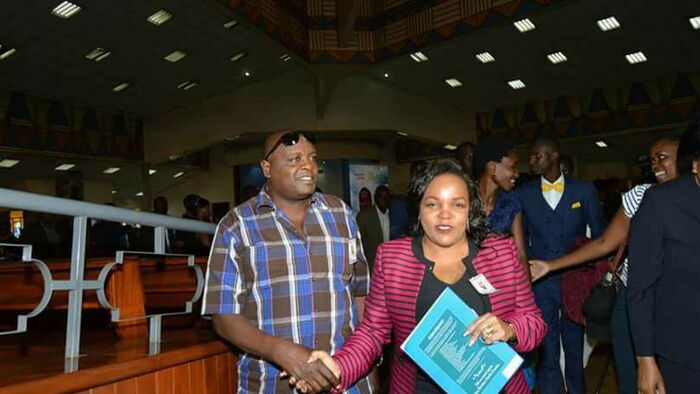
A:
[625,361]
[678,378]
[549,379]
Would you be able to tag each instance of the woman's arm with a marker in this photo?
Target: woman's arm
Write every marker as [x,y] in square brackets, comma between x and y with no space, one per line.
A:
[614,236]
[358,355]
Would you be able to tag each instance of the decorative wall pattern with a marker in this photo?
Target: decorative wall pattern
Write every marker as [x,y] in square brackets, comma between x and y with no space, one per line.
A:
[636,105]
[383,28]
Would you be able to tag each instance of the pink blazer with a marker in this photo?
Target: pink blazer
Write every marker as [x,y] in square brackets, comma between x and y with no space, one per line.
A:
[390,310]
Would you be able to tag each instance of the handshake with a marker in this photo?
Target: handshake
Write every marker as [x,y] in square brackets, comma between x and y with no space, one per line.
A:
[319,373]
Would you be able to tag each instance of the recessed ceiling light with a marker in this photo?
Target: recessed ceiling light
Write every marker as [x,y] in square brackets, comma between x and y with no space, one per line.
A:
[179,174]
[65,167]
[419,57]
[111,170]
[637,57]
[609,23]
[695,22]
[230,24]
[66,9]
[175,56]
[139,194]
[386,75]
[601,144]
[114,192]
[453,82]
[187,85]
[246,73]
[238,56]
[7,163]
[121,86]
[516,84]
[401,133]
[450,147]
[160,17]
[285,58]
[152,171]
[485,57]
[557,57]
[524,25]
[4,55]
[98,54]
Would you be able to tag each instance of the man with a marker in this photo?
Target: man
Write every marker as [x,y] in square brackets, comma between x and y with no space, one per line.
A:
[283,270]
[557,210]
[374,223]
[465,157]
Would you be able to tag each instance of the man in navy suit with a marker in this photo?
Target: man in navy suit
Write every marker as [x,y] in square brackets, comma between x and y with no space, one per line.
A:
[557,209]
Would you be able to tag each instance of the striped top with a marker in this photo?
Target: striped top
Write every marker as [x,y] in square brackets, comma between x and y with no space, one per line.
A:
[630,204]
[293,285]
[390,310]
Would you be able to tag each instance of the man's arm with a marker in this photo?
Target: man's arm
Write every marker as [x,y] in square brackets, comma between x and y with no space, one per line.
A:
[594,215]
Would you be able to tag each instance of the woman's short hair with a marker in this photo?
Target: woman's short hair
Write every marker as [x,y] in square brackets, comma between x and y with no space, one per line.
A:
[491,149]
[478,222]
[689,148]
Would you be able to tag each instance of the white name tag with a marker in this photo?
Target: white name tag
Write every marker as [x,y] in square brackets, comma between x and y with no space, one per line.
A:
[482,285]
[352,251]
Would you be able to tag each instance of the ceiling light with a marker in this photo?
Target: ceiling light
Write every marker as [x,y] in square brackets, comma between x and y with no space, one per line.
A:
[187,85]
[285,58]
[386,75]
[230,24]
[695,22]
[160,17]
[7,163]
[121,86]
[114,192]
[66,9]
[453,82]
[238,56]
[175,56]
[246,73]
[139,194]
[637,57]
[485,57]
[524,25]
[98,54]
[179,174]
[419,57]
[64,167]
[111,170]
[516,84]
[601,144]
[7,53]
[557,57]
[450,147]
[609,23]
[152,171]
[401,133]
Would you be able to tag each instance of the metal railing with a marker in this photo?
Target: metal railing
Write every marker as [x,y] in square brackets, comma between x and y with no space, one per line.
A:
[76,284]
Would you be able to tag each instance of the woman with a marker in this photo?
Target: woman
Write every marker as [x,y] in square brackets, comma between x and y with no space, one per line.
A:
[663,164]
[664,276]
[450,245]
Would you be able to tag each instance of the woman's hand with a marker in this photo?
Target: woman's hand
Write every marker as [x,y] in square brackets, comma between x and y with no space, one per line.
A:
[649,379]
[538,269]
[490,328]
[322,371]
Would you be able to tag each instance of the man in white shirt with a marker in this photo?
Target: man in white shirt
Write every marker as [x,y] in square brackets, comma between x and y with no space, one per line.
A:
[374,223]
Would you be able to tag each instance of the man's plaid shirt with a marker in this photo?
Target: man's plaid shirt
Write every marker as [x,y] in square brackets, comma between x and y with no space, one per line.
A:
[290,285]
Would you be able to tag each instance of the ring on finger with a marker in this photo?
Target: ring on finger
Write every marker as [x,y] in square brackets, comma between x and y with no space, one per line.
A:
[487,331]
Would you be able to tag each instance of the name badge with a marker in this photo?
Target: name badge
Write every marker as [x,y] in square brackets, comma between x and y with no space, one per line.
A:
[352,251]
[482,285]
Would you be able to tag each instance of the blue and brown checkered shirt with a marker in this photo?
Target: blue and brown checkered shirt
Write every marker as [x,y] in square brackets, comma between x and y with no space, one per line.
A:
[290,285]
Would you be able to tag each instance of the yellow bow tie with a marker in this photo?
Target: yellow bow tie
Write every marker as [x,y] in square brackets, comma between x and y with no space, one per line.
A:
[559,187]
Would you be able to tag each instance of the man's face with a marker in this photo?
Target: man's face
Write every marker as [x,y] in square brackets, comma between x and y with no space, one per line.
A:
[381,199]
[292,170]
[542,159]
[468,159]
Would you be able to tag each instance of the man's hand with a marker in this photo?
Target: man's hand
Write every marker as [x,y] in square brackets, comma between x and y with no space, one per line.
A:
[649,379]
[321,367]
[538,269]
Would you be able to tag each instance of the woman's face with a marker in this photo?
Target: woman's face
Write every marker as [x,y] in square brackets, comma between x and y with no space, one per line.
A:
[505,172]
[663,160]
[444,210]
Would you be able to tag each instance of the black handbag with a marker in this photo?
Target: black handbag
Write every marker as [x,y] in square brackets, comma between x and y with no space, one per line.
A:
[599,305]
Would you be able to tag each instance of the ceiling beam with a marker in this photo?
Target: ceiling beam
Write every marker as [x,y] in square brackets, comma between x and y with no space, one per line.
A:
[346,13]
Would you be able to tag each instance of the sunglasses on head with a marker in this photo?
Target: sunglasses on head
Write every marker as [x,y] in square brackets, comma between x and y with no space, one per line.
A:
[290,138]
